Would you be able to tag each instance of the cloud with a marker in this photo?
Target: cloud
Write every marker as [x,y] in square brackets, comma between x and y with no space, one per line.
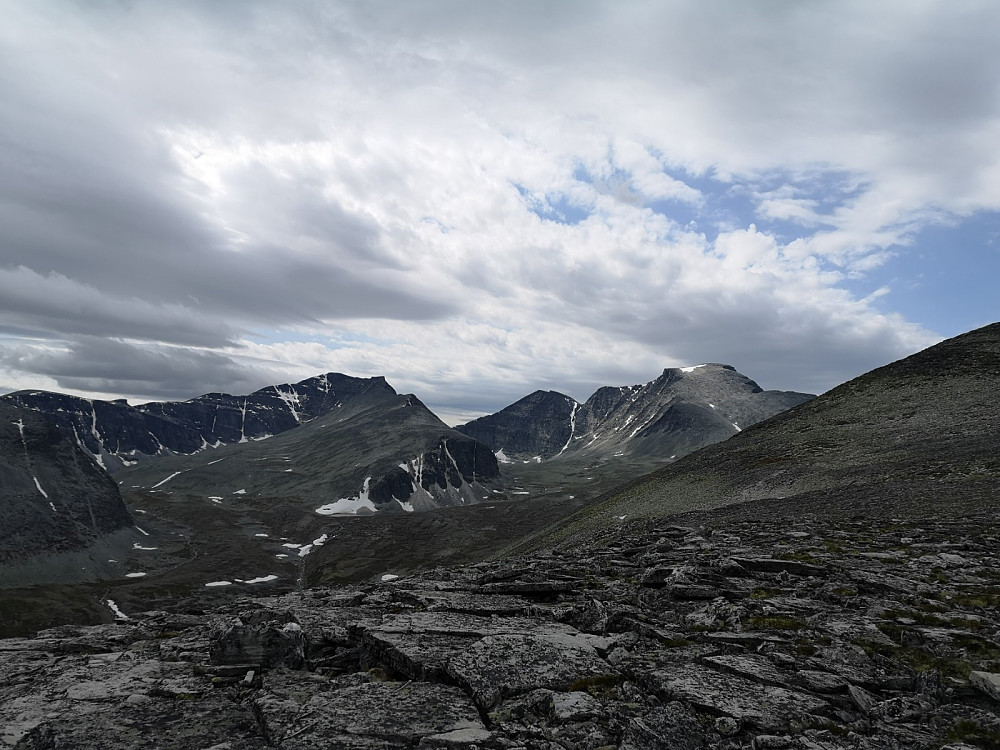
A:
[478,199]
[109,366]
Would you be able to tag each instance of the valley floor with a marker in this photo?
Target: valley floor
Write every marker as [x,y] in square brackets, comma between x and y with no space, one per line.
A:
[792,633]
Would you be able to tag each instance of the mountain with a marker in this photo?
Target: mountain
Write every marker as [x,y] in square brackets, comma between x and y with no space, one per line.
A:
[377,452]
[118,435]
[917,436]
[680,411]
[53,497]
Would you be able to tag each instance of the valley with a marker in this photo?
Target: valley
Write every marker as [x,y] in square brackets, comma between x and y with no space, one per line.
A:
[825,577]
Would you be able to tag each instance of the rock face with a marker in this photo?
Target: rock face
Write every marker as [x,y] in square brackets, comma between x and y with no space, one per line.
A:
[682,410]
[699,632]
[53,497]
[118,434]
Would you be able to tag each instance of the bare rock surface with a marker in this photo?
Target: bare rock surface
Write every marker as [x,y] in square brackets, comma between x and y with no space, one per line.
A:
[805,633]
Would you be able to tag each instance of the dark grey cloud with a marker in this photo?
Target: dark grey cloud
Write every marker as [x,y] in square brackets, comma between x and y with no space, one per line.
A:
[92,364]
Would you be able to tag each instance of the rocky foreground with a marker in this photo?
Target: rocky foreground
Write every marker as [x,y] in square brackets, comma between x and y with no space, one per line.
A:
[803,634]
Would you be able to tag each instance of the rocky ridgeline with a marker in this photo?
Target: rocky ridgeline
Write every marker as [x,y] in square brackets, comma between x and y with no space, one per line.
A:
[805,634]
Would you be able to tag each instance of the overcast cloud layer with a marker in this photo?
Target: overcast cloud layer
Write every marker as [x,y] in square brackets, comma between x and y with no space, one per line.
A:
[480,199]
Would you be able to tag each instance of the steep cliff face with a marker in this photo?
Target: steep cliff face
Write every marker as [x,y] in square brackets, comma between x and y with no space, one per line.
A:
[118,435]
[680,411]
[53,497]
[539,424]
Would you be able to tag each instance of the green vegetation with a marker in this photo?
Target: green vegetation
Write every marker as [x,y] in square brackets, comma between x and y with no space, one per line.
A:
[597,685]
[773,622]
[972,733]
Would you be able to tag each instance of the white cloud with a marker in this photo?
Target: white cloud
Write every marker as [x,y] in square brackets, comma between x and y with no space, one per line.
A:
[560,197]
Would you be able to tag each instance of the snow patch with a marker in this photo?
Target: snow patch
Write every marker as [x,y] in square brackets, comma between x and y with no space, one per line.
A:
[501,457]
[219,583]
[389,577]
[119,615]
[264,535]
[263,579]
[135,575]
[136,545]
[142,531]
[240,492]
[408,507]
[349,505]
[691,369]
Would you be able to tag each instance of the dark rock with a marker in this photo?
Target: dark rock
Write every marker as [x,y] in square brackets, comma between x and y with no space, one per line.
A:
[53,497]
[260,637]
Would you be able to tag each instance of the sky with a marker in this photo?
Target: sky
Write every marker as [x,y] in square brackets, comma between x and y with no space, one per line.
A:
[478,200]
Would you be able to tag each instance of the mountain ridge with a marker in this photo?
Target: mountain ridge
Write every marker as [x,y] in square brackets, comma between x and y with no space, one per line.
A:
[118,435]
[677,412]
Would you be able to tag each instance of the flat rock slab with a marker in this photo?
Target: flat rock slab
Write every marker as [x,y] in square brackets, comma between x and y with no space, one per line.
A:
[752,667]
[988,682]
[503,665]
[166,723]
[466,603]
[763,706]
[347,713]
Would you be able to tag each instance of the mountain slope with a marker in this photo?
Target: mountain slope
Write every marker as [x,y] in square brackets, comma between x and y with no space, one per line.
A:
[678,412]
[912,437]
[118,435]
[53,497]
[385,453]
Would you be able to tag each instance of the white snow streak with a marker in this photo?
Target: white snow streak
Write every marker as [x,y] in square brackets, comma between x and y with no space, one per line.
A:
[164,481]
[142,531]
[219,583]
[691,369]
[572,427]
[291,400]
[135,575]
[39,486]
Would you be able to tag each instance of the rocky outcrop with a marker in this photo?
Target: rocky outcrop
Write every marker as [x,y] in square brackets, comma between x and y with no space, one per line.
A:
[682,410]
[118,434]
[53,497]
[694,633]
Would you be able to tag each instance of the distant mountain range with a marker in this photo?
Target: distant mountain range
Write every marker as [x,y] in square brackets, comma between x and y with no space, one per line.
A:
[118,435]
[680,411]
